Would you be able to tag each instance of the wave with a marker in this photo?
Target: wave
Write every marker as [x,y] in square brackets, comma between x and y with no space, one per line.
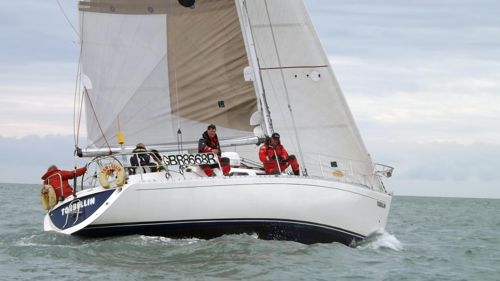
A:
[381,239]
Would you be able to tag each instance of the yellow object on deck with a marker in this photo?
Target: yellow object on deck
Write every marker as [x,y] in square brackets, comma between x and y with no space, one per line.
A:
[121,139]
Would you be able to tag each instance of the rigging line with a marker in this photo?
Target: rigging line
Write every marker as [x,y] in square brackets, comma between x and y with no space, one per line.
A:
[75,106]
[179,141]
[78,96]
[176,93]
[96,119]
[263,101]
[286,89]
[79,119]
[179,131]
[67,19]
[76,131]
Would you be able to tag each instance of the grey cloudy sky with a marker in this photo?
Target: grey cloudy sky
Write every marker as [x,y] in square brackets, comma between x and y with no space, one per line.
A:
[422,79]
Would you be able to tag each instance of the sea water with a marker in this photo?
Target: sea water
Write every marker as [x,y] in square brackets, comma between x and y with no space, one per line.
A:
[425,239]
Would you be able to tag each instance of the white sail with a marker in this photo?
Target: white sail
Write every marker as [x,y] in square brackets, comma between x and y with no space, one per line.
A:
[155,67]
[297,74]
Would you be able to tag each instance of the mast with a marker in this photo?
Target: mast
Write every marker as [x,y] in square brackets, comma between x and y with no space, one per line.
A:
[248,36]
[254,63]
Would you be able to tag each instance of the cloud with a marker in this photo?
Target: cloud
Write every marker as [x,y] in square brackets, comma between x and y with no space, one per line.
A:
[38,63]
[392,28]
[440,169]
[37,99]
[423,101]
[26,159]
[440,161]
[35,31]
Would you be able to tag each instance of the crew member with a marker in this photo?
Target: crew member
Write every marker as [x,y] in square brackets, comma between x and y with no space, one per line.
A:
[275,157]
[209,143]
[141,158]
[58,179]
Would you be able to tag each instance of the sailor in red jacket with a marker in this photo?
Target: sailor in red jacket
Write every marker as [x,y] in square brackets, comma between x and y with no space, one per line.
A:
[59,179]
[209,143]
[272,153]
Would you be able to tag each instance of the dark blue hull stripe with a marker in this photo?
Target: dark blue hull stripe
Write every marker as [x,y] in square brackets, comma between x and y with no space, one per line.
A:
[267,229]
[79,209]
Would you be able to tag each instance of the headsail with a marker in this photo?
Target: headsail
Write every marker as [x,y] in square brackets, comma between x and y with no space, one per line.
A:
[297,75]
[155,66]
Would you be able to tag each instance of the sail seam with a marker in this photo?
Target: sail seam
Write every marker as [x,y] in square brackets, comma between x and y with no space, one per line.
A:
[293,67]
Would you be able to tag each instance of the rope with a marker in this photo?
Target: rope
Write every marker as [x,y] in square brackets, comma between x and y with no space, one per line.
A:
[67,19]
[277,159]
[286,90]
[79,120]
[179,141]
[96,119]
[76,130]
[176,92]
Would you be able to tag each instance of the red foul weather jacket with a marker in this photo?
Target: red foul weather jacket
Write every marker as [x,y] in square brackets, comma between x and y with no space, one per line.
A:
[59,178]
[206,145]
[268,157]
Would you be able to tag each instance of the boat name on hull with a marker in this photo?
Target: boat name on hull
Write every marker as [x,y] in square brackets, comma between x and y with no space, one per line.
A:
[75,207]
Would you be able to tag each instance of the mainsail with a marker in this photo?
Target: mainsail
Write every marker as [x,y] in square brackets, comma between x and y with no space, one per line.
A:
[155,67]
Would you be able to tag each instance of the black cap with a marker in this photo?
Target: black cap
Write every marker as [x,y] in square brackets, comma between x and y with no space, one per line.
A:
[275,136]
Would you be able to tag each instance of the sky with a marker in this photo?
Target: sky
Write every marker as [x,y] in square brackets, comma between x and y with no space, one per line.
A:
[422,79]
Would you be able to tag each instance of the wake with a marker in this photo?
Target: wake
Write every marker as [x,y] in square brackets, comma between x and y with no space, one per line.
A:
[381,240]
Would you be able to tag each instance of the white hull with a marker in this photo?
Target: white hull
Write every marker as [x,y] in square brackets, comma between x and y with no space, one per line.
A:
[302,209]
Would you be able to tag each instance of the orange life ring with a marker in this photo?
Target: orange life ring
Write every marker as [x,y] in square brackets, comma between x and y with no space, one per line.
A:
[112,170]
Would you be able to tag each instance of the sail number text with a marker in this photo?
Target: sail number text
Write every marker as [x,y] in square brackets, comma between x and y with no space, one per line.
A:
[190,159]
